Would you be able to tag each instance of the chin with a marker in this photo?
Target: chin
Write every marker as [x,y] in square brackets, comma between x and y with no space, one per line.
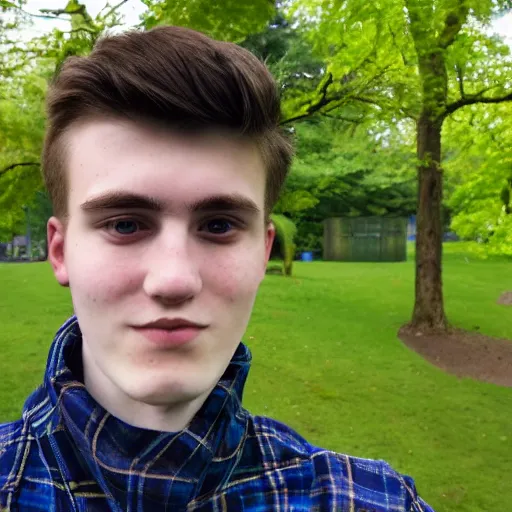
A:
[167,393]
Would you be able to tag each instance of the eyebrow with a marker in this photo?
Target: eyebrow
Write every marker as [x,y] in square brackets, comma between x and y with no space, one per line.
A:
[121,200]
[231,202]
[127,200]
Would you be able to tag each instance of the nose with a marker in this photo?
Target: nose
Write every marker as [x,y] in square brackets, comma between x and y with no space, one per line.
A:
[173,275]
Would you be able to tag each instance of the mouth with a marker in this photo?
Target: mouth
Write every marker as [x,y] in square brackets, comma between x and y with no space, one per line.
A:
[168,333]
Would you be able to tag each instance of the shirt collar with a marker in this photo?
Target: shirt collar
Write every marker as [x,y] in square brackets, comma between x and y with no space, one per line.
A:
[196,460]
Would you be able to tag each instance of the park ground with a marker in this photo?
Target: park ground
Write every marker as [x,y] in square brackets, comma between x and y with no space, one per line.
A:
[327,361]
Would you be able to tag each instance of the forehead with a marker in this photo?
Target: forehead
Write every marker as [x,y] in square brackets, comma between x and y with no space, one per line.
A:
[111,155]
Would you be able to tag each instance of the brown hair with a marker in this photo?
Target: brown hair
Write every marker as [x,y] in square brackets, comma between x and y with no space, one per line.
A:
[172,76]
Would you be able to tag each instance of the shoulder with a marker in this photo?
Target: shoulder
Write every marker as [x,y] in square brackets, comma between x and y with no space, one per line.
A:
[10,435]
[17,440]
[25,478]
[352,482]
[12,440]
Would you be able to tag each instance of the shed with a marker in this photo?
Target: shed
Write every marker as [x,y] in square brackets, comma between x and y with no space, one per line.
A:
[365,239]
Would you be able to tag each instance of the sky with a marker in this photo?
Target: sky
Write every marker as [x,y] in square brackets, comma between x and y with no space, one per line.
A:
[133,8]
[503,26]
[130,10]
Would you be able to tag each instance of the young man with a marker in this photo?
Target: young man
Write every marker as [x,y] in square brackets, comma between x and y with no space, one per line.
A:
[163,159]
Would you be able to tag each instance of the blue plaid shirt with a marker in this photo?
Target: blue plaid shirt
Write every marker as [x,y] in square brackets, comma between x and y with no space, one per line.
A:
[69,454]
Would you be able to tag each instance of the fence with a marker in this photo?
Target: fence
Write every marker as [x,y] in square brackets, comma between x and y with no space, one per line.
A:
[365,239]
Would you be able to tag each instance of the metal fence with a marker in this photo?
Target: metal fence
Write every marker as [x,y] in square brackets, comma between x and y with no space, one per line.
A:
[365,239]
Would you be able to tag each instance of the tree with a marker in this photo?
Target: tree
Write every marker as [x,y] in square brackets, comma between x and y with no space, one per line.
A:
[26,70]
[21,133]
[479,176]
[419,60]
[230,20]
[40,210]
[26,66]
[345,170]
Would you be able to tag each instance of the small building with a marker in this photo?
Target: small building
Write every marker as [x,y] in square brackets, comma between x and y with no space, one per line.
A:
[365,239]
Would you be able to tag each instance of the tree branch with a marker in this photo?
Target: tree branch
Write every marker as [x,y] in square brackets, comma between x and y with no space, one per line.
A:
[369,101]
[114,9]
[352,120]
[473,100]
[453,24]
[58,12]
[461,81]
[44,16]
[323,88]
[421,35]
[316,106]
[340,97]
[332,104]
[83,29]
[19,164]
[409,114]
[393,36]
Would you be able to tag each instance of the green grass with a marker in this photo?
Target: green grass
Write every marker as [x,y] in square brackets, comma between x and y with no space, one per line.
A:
[327,361]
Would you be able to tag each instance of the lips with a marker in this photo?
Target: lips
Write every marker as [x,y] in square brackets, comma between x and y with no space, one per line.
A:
[171,323]
[168,333]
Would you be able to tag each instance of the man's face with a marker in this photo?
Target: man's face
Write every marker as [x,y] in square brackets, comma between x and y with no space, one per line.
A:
[162,228]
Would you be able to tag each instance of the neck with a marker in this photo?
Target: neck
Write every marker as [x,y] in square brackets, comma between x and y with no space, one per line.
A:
[168,417]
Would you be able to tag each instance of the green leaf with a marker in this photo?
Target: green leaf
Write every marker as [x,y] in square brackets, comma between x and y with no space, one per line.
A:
[230,20]
[5,4]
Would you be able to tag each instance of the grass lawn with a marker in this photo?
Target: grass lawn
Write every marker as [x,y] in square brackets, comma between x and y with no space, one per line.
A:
[327,361]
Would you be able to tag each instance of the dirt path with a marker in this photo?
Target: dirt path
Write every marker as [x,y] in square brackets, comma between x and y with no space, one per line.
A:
[465,354]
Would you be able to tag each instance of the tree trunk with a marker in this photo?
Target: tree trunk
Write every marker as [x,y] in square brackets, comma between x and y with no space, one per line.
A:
[429,313]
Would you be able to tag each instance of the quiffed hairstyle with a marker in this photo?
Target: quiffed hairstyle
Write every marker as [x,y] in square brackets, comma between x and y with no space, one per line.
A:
[172,76]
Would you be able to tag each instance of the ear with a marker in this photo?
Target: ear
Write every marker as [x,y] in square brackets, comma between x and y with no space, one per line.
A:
[270,234]
[56,232]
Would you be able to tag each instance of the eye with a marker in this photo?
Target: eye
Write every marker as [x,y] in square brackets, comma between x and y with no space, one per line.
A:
[125,227]
[218,226]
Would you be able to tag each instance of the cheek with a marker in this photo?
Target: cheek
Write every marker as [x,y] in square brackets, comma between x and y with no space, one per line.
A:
[235,278]
[94,287]
[98,279]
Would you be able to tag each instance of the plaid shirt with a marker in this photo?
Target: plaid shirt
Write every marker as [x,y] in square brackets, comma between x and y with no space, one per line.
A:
[69,454]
